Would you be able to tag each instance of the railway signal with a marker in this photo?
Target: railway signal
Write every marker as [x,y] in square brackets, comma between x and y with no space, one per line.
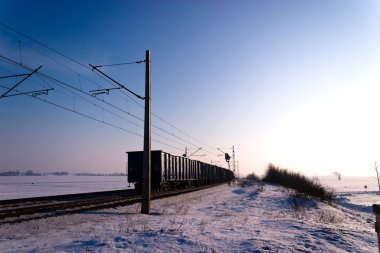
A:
[229,158]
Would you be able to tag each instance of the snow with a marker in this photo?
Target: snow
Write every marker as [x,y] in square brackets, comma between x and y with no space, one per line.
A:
[350,184]
[14,187]
[254,217]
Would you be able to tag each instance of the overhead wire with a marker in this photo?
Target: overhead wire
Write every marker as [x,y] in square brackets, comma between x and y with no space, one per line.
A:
[79,113]
[44,45]
[70,58]
[159,128]
[68,85]
[85,66]
[114,114]
[93,118]
[59,83]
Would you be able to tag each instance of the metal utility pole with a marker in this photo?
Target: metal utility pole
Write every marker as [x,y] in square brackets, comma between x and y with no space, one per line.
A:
[146,168]
[146,173]
[233,156]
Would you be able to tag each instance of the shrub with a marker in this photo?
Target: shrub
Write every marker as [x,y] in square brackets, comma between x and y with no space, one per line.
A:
[298,182]
[252,176]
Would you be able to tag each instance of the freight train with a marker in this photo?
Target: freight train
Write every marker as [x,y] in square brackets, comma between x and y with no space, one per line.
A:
[169,172]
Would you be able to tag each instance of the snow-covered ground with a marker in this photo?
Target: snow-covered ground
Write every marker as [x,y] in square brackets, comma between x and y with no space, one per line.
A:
[14,187]
[255,218]
[350,184]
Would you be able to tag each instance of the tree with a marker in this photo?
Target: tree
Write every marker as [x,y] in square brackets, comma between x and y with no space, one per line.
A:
[338,175]
[377,173]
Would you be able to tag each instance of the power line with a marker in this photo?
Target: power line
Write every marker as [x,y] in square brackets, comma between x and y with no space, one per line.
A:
[132,122]
[57,82]
[67,85]
[96,105]
[101,100]
[62,84]
[42,44]
[94,67]
[93,118]
[159,128]
[83,65]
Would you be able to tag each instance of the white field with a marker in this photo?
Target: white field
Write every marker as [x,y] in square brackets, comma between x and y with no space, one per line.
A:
[255,218]
[14,187]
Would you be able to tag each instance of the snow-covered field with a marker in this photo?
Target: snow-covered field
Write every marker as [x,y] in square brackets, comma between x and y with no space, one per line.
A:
[255,218]
[14,187]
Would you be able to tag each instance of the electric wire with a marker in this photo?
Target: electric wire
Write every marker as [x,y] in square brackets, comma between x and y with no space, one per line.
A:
[157,127]
[63,65]
[42,44]
[93,118]
[9,61]
[57,82]
[68,85]
[96,105]
[83,65]
[112,113]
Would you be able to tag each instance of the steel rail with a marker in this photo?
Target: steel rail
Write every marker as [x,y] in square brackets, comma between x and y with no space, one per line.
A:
[64,197]
[17,210]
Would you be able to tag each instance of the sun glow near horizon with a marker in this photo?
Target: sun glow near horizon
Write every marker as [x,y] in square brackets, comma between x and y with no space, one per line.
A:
[337,132]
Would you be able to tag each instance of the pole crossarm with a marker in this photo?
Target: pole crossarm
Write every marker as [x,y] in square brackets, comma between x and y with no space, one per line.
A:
[113,80]
[103,91]
[118,64]
[34,71]
[32,93]
[195,152]
[220,151]
[1,77]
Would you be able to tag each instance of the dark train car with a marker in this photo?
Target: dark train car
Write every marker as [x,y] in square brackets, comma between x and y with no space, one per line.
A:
[135,165]
[169,172]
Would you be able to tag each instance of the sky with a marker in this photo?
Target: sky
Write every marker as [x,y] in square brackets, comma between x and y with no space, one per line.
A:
[293,83]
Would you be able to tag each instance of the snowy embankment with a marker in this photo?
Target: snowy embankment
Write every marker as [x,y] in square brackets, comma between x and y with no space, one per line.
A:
[255,218]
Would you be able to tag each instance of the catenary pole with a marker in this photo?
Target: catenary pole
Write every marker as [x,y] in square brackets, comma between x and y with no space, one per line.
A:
[233,155]
[146,173]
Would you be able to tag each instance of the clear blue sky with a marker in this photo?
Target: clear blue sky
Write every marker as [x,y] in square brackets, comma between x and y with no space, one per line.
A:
[295,83]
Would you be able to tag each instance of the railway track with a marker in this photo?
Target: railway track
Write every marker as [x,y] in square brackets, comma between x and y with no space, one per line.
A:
[17,210]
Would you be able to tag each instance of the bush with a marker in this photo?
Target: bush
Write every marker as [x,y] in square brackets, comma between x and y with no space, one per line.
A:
[298,182]
[252,176]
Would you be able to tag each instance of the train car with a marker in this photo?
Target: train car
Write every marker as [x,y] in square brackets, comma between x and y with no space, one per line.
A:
[170,172]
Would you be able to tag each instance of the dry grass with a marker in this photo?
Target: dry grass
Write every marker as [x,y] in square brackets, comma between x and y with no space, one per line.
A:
[298,182]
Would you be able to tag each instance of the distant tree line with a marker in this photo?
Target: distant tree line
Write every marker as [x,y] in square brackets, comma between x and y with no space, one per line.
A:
[57,173]
[17,173]
[100,174]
